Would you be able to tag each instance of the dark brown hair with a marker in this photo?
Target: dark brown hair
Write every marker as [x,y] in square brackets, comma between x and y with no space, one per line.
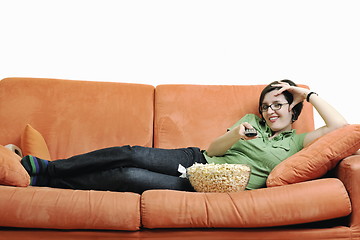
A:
[288,96]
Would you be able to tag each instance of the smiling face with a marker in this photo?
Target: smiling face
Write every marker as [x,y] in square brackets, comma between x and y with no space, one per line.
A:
[278,120]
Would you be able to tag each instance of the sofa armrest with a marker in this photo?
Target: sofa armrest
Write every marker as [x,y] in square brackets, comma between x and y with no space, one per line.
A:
[348,172]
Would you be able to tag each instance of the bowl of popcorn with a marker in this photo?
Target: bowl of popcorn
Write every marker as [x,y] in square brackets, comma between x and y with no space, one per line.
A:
[218,177]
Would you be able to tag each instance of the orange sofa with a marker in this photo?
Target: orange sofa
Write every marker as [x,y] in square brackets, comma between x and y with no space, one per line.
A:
[79,116]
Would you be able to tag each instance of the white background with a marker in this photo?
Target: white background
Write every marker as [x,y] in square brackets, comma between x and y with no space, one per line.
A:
[314,42]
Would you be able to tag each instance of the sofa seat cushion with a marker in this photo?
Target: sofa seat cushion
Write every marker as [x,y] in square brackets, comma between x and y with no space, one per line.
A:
[41,207]
[285,205]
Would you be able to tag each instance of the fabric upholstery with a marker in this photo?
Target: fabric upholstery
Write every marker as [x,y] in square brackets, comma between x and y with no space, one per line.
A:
[76,116]
[194,115]
[12,172]
[293,233]
[291,204]
[40,207]
[318,158]
[349,173]
[33,143]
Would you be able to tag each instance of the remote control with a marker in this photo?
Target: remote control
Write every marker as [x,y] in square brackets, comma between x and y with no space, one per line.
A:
[250,132]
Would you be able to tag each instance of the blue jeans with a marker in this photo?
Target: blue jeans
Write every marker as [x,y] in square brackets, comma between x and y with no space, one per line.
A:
[126,168]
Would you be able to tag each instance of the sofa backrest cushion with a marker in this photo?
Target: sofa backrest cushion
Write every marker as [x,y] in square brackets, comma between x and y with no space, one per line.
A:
[76,116]
[194,115]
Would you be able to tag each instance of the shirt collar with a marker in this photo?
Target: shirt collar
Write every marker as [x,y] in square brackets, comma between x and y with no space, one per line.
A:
[282,135]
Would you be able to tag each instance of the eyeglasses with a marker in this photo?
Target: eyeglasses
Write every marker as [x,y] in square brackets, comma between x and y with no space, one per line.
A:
[274,106]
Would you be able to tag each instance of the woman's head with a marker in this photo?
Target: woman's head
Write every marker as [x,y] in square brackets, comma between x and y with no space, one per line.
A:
[275,108]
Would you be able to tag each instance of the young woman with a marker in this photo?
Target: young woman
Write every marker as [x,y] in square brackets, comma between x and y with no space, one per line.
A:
[136,169]
[280,104]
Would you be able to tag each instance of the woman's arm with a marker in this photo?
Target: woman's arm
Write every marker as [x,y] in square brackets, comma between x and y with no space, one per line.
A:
[223,143]
[332,118]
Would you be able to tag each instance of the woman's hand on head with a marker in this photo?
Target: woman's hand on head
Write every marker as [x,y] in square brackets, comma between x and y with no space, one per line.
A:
[298,93]
[332,118]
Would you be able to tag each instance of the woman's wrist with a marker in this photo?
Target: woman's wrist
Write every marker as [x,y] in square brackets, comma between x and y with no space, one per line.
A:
[309,95]
[235,134]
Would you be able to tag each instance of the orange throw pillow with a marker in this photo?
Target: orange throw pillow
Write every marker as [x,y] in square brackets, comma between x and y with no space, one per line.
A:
[33,143]
[318,158]
[12,173]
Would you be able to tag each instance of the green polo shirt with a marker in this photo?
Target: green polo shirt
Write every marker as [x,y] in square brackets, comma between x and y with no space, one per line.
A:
[261,154]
